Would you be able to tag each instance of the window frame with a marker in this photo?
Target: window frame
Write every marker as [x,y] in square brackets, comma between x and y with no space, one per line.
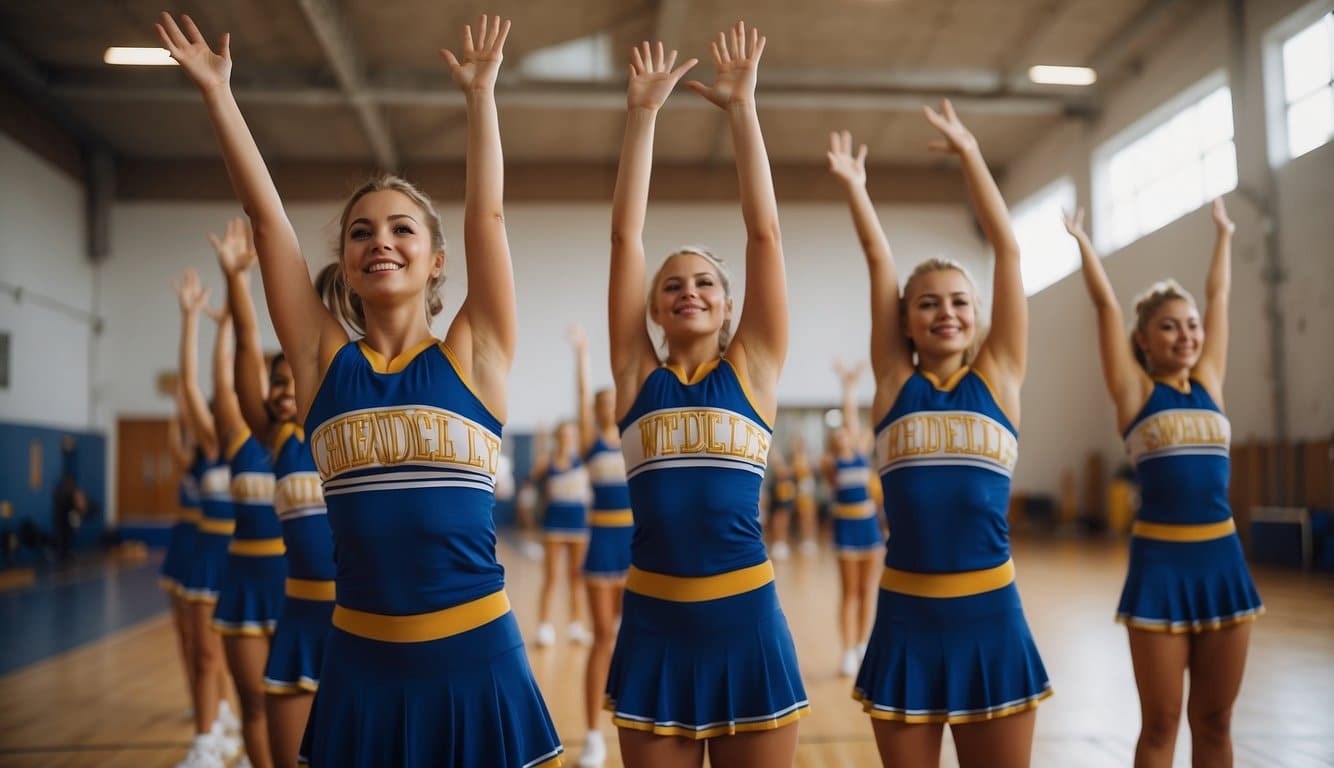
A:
[1275,90]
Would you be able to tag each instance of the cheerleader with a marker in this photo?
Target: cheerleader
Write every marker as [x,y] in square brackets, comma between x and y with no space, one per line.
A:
[704,655]
[560,471]
[1188,599]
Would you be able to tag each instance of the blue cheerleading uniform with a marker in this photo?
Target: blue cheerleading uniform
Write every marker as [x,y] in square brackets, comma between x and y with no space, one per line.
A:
[251,597]
[208,562]
[1187,571]
[424,665]
[297,651]
[950,642]
[856,525]
[566,517]
[611,524]
[704,649]
[181,544]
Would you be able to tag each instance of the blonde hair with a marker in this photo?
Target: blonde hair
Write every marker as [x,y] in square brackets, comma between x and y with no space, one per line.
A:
[1147,305]
[338,295]
[927,267]
[725,277]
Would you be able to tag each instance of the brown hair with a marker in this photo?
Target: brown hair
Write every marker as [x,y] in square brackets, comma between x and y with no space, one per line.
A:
[338,295]
[725,333]
[943,265]
[1147,305]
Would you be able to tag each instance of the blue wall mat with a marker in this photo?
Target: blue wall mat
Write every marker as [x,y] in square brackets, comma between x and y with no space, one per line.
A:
[88,465]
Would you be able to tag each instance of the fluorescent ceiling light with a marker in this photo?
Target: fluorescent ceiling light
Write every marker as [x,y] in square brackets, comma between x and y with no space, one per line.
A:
[1049,75]
[139,57]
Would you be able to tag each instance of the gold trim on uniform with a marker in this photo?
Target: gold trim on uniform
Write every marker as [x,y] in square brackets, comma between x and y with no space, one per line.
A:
[611,518]
[422,627]
[943,585]
[697,589]
[256,547]
[943,717]
[859,510]
[236,443]
[190,515]
[311,589]
[1198,532]
[215,526]
[707,733]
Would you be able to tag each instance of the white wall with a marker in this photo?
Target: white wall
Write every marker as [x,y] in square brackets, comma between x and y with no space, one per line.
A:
[42,236]
[1066,411]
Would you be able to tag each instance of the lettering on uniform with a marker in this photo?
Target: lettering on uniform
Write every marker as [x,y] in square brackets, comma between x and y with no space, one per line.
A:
[396,435]
[298,490]
[252,487]
[696,434]
[947,437]
[1180,431]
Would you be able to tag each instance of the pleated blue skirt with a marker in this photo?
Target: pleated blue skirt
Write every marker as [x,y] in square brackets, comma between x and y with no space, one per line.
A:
[857,538]
[252,594]
[204,572]
[955,660]
[1187,586]
[465,701]
[176,562]
[297,651]
[608,556]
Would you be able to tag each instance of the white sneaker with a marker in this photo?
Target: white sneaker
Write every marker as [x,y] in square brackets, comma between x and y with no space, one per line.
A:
[203,753]
[861,652]
[595,751]
[226,745]
[533,551]
[546,635]
[849,666]
[809,547]
[780,551]
[579,635]
[227,716]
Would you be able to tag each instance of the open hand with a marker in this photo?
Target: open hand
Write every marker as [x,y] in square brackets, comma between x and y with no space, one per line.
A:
[736,59]
[481,59]
[192,294]
[848,168]
[236,251]
[1074,223]
[207,69]
[1221,219]
[652,76]
[957,139]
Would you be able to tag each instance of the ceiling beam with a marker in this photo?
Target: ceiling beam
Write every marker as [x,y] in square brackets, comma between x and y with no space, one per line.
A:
[185,179]
[339,50]
[611,97]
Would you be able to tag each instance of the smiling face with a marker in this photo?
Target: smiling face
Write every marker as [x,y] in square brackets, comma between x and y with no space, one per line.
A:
[281,402]
[390,252]
[1171,337]
[940,314]
[690,298]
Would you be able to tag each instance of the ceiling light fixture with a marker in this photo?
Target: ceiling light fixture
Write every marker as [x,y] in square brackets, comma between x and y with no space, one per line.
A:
[139,57]
[1050,75]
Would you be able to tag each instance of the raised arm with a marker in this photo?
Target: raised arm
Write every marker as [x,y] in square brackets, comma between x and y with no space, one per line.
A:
[194,298]
[307,331]
[235,256]
[891,358]
[653,75]
[848,376]
[761,334]
[1126,382]
[588,428]
[541,453]
[1212,365]
[1005,351]
[181,454]
[226,407]
[484,332]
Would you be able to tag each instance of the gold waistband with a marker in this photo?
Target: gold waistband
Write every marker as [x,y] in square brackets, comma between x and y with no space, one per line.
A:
[192,516]
[947,584]
[687,589]
[611,518]
[219,527]
[422,627]
[856,511]
[310,589]
[256,547]
[1166,532]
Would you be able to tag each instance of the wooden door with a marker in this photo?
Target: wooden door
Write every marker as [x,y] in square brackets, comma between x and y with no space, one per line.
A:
[146,477]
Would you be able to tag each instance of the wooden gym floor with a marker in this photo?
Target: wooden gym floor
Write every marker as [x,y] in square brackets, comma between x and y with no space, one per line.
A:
[119,700]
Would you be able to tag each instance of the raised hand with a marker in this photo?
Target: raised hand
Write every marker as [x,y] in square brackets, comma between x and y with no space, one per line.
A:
[207,69]
[192,294]
[481,60]
[848,168]
[236,251]
[736,59]
[652,76]
[1221,220]
[1074,223]
[848,374]
[578,339]
[222,314]
[958,140]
